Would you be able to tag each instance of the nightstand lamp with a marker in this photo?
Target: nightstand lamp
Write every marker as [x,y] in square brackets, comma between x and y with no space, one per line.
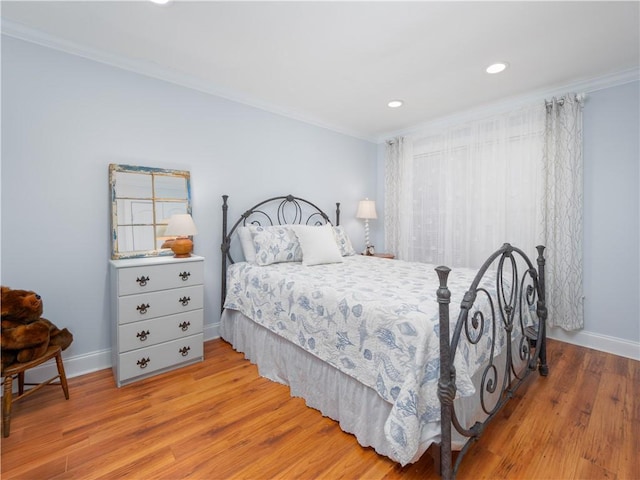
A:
[367,211]
[181,226]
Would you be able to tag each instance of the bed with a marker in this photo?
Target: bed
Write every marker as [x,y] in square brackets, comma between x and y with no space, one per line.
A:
[405,356]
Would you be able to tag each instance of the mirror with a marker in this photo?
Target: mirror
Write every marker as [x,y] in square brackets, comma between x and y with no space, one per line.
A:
[142,201]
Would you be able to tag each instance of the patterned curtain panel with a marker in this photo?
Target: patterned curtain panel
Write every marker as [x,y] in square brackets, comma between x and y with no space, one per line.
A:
[562,211]
[398,197]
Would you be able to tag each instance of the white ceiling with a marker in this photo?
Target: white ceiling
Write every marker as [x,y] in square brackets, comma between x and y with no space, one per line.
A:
[337,64]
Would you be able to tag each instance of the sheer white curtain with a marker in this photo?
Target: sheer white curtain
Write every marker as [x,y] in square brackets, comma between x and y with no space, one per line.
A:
[562,210]
[466,190]
[455,195]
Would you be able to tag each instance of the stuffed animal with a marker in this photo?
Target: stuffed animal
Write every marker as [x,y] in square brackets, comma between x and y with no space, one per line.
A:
[25,334]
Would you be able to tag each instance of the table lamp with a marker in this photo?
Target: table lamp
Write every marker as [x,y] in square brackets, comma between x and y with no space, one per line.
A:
[366,211]
[182,226]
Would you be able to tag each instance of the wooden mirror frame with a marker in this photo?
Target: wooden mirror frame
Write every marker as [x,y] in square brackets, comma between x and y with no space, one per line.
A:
[152,225]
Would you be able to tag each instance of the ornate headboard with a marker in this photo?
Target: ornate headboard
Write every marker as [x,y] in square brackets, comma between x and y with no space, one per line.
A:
[284,210]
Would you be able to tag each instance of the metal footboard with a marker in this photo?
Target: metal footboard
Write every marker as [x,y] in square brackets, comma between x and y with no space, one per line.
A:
[517,302]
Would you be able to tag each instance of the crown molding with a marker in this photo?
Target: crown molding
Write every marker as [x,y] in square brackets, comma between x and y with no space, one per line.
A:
[150,69]
[583,86]
[153,70]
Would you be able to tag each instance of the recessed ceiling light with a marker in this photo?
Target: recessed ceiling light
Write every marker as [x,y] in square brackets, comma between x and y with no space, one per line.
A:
[160,2]
[395,103]
[497,67]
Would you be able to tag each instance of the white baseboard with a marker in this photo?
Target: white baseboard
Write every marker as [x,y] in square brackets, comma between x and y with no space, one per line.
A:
[211,331]
[73,367]
[596,341]
[91,362]
[99,360]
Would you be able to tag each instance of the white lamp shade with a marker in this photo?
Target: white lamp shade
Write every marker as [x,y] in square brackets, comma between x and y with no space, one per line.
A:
[367,209]
[181,225]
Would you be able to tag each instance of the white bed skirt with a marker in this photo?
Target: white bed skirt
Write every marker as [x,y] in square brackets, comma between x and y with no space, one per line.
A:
[357,408]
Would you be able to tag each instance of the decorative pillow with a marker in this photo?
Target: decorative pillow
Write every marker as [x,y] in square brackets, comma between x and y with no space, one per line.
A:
[246,241]
[276,244]
[343,241]
[318,245]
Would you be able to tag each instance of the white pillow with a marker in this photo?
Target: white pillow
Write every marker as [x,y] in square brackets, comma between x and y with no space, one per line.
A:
[318,245]
[246,241]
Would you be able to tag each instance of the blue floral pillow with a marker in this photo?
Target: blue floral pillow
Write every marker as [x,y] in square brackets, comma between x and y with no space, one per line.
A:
[276,244]
[343,241]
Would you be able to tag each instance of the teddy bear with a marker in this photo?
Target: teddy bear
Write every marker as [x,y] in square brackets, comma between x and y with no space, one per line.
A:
[25,334]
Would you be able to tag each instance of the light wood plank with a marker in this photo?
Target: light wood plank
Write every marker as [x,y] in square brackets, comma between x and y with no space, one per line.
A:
[220,419]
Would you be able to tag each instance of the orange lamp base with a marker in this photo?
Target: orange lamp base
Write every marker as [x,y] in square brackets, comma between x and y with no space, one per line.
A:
[182,247]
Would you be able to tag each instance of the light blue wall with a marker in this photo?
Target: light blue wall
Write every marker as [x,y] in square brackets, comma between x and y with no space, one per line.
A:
[65,118]
[612,212]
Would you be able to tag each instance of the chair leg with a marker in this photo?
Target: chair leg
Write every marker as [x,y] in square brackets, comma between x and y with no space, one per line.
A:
[63,375]
[6,405]
[20,383]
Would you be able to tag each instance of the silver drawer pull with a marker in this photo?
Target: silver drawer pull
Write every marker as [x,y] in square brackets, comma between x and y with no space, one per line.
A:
[185,301]
[143,362]
[184,326]
[143,335]
[185,276]
[142,309]
[142,281]
[184,351]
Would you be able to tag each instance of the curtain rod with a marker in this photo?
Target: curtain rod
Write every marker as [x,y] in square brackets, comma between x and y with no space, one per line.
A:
[579,97]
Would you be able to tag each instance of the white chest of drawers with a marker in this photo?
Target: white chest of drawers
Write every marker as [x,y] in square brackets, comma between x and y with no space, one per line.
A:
[157,315]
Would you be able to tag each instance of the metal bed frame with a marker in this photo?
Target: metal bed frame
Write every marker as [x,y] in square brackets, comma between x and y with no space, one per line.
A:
[517,295]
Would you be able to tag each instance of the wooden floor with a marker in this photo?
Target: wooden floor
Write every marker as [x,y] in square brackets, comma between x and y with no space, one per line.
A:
[219,420]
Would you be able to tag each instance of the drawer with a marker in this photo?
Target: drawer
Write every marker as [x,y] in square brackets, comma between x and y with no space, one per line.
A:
[150,359]
[158,330]
[134,308]
[152,278]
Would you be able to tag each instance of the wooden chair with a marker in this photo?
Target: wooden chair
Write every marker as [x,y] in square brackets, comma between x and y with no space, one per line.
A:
[17,370]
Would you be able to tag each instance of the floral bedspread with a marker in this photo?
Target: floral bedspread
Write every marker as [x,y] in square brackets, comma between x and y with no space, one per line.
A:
[373,319]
